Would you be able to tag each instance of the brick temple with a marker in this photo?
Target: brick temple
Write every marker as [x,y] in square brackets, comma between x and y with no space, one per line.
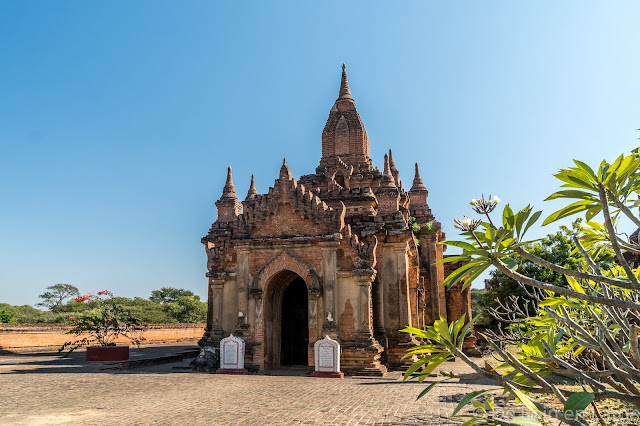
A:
[331,253]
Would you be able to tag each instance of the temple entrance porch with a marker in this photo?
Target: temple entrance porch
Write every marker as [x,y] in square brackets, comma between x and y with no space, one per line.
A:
[286,315]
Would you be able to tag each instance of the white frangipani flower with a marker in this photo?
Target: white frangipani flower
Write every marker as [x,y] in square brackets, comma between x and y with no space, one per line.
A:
[473,202]
[496,199]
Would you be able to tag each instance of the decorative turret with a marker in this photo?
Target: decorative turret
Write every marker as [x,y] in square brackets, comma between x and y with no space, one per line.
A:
[229,191]
[344,134]
[387,194]
[418,194]
[394,170]
[418,185]
[228,205]
[252,193]
[388,181]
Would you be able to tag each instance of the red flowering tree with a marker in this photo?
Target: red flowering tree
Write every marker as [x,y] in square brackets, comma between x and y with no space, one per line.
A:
[103,324]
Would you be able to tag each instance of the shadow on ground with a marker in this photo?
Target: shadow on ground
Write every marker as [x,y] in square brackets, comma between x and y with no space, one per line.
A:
[52,362]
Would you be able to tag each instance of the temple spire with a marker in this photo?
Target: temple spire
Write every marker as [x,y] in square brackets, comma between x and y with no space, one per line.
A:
[252,193]
[394,170]
[228,205]
[285,172]
[418,185]
[387,178]
[345,93]
[229,191]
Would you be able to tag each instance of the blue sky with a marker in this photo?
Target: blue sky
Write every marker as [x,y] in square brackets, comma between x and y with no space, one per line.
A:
[118,119]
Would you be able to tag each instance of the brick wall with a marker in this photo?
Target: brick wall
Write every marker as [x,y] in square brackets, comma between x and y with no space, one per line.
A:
[52,336]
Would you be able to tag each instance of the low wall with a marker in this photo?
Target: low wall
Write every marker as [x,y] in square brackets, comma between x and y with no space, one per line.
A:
[52,336]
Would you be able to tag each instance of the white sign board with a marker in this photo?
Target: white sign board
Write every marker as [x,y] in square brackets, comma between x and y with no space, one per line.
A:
[232,353]
[327,355]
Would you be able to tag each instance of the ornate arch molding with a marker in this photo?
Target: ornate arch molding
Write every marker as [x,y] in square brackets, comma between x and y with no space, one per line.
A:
[286,262]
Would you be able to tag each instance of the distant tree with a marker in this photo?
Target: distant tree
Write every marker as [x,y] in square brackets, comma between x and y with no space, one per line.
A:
[181,305]
[5,315]
[56,295]
[147,311]
[27,314]
[187,309]
[476,311]
[170,294]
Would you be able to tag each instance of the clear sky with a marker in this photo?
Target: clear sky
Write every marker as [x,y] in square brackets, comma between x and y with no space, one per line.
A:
[118,118]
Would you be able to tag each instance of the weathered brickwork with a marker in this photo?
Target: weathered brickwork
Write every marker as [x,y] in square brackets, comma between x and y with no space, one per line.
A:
[344,232]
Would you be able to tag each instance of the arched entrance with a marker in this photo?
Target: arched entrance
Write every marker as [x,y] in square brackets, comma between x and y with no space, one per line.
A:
[286,314]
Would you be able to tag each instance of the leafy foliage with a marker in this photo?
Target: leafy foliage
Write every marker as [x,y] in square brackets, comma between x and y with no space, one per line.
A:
[102,324]
[5,315]
[586,324]
[181,305]
[557,248]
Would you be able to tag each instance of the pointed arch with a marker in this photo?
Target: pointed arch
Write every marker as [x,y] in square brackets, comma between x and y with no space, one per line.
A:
[283,262]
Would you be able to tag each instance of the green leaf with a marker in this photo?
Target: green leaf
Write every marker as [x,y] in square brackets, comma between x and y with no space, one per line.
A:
[585,167]
[479,269]
[507,217]
[467,399]
[575,286]
[521,216]
[428,388]
[459,244]
[571,193]
[575,179]
[510,263]
[434,362]
[525,421]
[591,212]
[569,210]
[458,274]
[415,366]
[490,234]
[524,399]
[450,259]
[441,327]
[576,403]
[531,221]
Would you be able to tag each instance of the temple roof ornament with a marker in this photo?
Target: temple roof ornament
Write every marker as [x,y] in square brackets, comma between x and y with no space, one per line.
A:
[418,185]
[345,93]
[394,170]
[285,172]
[387,178]
[252,193]
[229,191]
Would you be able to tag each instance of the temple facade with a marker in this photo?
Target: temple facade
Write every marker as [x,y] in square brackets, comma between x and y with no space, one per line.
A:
[345,252]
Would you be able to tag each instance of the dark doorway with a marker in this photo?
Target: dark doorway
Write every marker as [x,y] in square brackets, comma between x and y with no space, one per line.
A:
[295,324]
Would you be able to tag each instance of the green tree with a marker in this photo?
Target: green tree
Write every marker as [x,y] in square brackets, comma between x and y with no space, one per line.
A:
[27,314]
[5,315]
[170,294]
[56,295]
[181,305]
[187,309]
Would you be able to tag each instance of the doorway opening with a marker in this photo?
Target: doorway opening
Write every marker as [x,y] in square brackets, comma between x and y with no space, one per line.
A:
[294,333]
